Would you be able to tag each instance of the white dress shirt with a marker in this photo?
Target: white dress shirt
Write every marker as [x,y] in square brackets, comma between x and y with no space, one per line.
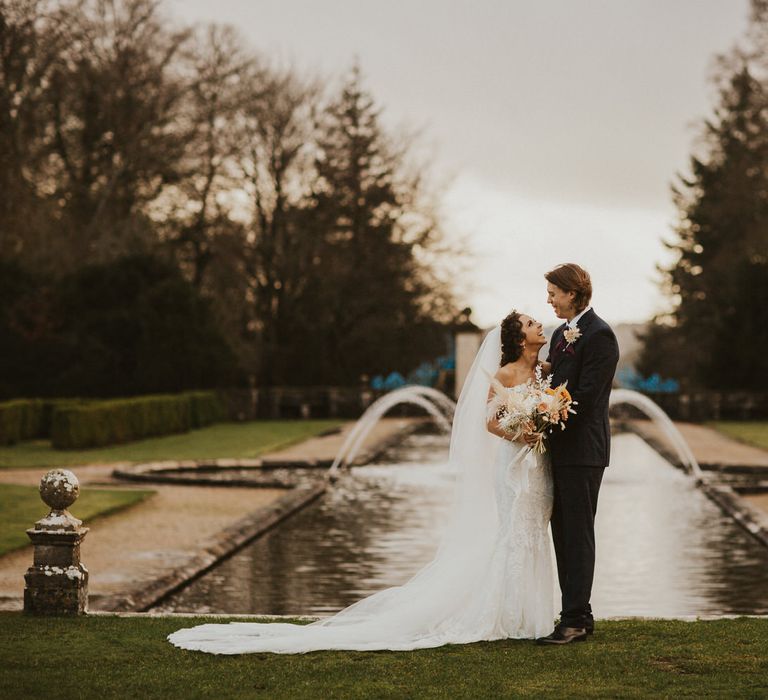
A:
[574,321]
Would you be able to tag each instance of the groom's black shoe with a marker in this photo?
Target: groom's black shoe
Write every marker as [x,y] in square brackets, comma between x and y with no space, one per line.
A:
[564,635]
[589,626]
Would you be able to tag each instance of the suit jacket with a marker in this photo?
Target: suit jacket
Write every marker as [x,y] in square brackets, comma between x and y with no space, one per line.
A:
[588,365]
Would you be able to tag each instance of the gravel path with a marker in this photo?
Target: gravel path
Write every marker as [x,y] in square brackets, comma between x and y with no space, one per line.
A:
[759,501]
[711,447]
[124,550]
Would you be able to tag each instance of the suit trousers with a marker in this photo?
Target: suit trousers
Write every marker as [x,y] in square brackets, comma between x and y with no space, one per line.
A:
[573,532]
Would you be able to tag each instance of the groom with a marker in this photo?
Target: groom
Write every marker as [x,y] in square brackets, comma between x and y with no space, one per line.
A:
[584,353]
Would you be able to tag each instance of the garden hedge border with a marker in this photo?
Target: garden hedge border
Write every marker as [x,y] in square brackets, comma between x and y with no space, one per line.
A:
[77,423]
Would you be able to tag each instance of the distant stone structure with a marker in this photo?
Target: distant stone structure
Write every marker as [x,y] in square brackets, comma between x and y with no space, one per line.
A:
[467,345]
[57,583]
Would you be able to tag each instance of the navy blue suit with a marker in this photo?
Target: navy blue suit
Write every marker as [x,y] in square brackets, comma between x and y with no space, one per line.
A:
[579,455]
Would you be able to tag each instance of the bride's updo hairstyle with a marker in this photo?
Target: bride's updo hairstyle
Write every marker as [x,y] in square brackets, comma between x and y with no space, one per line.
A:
[512,338]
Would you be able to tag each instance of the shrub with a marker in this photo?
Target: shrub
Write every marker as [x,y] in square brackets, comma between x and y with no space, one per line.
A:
[99,423]
[11,420]
[29,419]
[206,407]
[22,419]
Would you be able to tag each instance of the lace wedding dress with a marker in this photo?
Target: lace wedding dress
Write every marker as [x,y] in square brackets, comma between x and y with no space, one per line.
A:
[491,578]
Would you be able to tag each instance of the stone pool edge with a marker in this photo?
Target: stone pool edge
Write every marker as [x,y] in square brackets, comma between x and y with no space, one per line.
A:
[754,521]
[225,543]
[237,535]
[161,472]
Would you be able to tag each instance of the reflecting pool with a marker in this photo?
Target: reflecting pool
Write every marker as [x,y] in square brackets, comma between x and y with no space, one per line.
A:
[664,549]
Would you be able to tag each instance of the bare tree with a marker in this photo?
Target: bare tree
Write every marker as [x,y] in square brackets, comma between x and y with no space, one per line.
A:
[198,208]
[33,36]
[116,134]
[276,138]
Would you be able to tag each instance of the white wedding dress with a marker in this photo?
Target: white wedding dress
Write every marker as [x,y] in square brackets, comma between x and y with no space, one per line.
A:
[491,578]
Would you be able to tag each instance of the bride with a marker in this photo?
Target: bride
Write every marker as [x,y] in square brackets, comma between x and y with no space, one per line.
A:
[492,575]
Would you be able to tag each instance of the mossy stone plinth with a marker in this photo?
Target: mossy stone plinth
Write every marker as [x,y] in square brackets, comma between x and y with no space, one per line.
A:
[57,583]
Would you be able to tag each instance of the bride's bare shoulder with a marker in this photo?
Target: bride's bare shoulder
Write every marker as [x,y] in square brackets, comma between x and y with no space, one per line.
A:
[508,375]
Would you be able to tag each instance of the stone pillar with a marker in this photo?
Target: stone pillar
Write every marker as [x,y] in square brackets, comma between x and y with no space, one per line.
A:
[467,345]
[334,398]
[57,583]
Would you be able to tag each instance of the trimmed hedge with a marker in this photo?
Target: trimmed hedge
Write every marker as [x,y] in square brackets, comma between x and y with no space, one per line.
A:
[27,419]
[101,423]
[12,418]
[205,407]
[74,423]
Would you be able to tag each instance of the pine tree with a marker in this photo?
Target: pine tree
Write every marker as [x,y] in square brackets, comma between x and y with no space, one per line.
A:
[720,277]
[365,307]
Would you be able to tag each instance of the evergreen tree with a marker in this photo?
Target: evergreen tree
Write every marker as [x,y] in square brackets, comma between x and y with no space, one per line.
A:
[717,333]
[365,310]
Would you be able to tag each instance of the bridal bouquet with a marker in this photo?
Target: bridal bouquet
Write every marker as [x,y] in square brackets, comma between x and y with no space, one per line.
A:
[533,408]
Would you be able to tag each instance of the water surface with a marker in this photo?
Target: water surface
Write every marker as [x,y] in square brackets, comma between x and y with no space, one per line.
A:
[664,549]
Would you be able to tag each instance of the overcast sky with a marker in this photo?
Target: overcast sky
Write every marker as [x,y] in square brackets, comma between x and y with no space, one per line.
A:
[558,123]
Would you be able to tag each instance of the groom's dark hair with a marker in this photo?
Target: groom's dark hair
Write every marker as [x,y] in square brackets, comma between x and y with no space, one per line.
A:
[572,278]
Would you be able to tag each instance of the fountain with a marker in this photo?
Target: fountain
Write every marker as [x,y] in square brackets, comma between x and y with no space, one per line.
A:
[665,549]
[668,548]
[658,416]
[434,402]
[441,408]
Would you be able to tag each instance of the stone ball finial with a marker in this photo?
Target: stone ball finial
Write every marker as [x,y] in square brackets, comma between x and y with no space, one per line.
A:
[57,581]
[59,489]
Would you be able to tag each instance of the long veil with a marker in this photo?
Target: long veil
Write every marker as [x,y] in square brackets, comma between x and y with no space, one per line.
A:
[450,599]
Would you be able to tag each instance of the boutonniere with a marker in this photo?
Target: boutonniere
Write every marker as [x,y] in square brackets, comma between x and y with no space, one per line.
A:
[571,335]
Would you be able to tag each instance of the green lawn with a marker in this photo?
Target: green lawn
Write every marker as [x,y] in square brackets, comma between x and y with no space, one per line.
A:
[220,440]
[20,507]
[109,657]
[752,432]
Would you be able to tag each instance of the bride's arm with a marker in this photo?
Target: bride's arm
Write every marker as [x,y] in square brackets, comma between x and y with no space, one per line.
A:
[492,422]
